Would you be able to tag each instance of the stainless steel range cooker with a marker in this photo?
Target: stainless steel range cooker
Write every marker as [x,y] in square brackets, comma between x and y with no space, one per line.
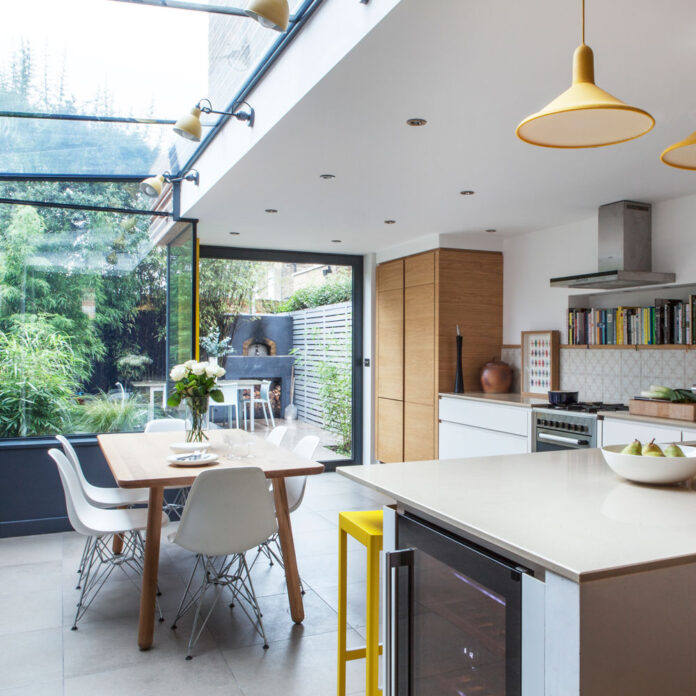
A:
[568,427]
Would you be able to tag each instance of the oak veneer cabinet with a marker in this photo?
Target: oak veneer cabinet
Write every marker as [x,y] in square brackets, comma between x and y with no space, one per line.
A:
[420,301]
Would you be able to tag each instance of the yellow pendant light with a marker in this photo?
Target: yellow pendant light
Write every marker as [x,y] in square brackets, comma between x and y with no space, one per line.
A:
[152,186]
[584,115]
[681,155]
[271,14]
[189,125]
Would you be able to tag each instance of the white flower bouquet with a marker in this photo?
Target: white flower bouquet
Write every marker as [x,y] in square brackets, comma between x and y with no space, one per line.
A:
[195,384]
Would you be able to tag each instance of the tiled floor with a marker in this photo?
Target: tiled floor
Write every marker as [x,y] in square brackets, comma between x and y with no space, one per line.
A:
[41,656]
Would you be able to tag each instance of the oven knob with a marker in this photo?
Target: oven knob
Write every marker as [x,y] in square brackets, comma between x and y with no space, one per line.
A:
[556,424]
[544,422]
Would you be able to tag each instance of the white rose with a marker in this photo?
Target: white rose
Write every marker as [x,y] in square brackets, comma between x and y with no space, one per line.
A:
[198,368]
[178,373]
[211,370]
[219,371]
[189,364]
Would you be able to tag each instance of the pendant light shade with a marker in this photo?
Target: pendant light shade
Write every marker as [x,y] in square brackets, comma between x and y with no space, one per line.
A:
[153,186]
[271,14]
[584,115]
[189,126]
[681,155]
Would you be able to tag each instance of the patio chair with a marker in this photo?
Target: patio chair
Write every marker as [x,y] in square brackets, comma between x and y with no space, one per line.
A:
[99,496]
[170,425]
[275,437]
[227,512]
[295,487]
[100,525]
[265,401]
[231,399]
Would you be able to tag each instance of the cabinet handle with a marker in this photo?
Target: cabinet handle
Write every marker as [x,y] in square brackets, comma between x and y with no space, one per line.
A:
[394,686]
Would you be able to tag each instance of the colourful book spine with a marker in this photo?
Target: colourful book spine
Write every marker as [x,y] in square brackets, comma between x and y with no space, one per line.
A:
[619,326]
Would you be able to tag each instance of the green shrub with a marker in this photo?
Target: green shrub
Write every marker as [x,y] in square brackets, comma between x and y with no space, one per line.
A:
[108,414]
[318,295]
[39,377]
[335,392]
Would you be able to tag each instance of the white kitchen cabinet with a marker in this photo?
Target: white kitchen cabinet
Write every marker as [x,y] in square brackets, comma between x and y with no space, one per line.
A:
[457,441]
[506,419]
[621,432]
[688,435]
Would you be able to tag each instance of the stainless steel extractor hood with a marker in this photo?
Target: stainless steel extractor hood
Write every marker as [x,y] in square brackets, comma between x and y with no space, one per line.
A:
[625,251]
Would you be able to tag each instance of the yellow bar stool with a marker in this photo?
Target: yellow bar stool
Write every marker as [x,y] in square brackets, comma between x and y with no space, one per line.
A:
[364,526]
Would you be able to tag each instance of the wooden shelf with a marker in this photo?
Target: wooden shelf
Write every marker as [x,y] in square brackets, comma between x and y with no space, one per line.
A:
[674,346]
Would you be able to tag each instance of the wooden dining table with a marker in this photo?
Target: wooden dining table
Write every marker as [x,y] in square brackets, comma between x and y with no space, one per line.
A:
[139,460]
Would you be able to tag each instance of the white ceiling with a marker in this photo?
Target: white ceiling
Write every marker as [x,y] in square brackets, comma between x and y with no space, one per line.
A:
[473,69]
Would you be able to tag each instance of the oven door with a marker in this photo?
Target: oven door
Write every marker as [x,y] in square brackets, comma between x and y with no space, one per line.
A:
[546,440]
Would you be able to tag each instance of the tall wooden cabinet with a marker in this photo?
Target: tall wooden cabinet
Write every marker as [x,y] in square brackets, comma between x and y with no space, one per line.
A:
[420,301]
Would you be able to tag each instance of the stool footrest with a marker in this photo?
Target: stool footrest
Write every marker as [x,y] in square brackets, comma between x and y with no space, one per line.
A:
[358,653]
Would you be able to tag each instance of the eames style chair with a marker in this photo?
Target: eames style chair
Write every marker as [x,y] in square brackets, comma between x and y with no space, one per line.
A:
[100,525]
[228,512]
[275,437]
[265,401]
[231,400]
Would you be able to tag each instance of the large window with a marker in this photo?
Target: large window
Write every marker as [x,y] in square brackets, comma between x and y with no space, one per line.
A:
[287,326]
[83,319]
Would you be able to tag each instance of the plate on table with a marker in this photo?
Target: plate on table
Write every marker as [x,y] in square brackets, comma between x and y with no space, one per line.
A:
[183,459]
[189,446]
[660,470]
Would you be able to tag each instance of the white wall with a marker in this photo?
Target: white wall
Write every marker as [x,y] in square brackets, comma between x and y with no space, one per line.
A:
[531,259]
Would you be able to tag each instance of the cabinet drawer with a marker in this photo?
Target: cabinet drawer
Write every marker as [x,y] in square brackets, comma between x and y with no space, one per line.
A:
[506,419]
[621,432]
[458,441]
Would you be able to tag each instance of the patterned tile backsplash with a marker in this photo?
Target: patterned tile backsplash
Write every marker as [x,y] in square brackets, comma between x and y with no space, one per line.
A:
[615,376]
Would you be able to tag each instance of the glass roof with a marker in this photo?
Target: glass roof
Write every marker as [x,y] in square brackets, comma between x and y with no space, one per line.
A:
[108,58]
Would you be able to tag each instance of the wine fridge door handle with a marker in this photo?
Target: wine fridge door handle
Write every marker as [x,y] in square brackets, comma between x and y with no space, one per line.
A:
[395,684]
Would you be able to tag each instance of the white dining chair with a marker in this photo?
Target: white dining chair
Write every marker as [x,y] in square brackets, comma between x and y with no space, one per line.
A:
[265,401]
[100,525]
[170,425]
[100,496]
[231,399]
[275,437]
[295,487]
[227,512]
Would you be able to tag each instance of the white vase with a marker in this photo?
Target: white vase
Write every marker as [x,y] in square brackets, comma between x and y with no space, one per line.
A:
[213,360]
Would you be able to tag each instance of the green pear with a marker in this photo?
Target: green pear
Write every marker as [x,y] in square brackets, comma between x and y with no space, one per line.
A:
[652,450]
[633,448]
[673,450]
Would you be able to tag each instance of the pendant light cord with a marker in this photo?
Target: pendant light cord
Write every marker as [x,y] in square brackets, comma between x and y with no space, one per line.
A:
[583,22]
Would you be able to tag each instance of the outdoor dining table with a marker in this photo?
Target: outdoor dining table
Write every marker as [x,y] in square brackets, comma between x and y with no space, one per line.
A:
[139,460]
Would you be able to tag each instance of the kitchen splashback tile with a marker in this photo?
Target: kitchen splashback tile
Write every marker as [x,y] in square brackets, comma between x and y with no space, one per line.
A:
[651,363]
[593,388]
[690,367]
[611,389]
[630,387]
[609,362]
[647,380]
[630,363]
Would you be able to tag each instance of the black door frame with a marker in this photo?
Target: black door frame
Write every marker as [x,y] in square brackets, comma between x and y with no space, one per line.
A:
[356,264]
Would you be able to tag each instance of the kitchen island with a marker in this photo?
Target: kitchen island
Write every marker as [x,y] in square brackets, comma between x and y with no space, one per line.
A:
[617,560]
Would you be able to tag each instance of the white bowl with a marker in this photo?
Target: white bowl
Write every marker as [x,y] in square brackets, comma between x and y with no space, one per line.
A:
[651,469]
[189,446]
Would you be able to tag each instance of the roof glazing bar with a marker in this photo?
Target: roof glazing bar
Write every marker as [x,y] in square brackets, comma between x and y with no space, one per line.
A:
[87,117]
[196,6]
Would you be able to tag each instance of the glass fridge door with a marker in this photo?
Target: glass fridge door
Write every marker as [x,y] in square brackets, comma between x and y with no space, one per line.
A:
[457,616]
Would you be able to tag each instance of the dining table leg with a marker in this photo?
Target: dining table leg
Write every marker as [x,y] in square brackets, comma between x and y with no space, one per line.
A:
[287,546]
[148,594]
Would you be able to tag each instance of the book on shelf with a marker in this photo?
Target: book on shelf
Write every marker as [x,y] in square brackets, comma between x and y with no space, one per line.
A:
[667,322]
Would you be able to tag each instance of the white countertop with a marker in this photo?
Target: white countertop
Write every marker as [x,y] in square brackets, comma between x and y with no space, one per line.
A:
[565,511]
[665,422]
[510,399]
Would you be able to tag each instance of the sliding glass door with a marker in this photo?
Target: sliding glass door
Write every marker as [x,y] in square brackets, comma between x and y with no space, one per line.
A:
[288,325]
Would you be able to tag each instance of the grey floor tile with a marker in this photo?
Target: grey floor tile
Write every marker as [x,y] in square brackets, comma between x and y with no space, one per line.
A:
[357,602]
[31,611]
[322,570]
[50,688]
[205,674]
[30,577]
[30,658]
[31,549]
[296,667]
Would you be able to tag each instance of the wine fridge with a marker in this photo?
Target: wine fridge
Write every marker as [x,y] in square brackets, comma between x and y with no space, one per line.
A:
[454,616]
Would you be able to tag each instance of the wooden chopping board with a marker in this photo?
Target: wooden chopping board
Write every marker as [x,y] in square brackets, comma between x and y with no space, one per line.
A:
[662,409]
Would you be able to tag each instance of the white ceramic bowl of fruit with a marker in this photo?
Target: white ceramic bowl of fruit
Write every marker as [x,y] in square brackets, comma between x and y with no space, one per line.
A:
[652,463]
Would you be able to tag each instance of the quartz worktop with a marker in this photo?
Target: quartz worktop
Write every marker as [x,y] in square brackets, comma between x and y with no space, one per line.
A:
[505,399]
[565,511]
[664,422]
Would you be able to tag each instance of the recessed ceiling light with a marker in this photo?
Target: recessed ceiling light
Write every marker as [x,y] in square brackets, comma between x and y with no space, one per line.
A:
[336,241]
[491,230]
[327,176]
[389,222]
[416,121]
[235,233]
[271,210]
[467,193]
